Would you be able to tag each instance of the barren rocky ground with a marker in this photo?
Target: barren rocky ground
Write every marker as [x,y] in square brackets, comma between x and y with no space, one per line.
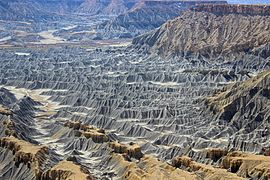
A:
[161,108]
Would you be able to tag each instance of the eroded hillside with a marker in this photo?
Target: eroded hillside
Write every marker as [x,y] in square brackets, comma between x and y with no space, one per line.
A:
[117,112]
[212,31]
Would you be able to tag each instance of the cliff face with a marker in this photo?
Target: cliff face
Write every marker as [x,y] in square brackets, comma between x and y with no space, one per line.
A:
[209,34]
[221,9]
[67,170]
[234,165]
[97,135]
[26,153]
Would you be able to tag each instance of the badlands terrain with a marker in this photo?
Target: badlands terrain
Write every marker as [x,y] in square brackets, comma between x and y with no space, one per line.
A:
[187,100]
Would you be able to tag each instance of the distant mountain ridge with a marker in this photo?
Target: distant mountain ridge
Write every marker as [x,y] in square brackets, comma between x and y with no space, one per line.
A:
[248,1]
[147,15]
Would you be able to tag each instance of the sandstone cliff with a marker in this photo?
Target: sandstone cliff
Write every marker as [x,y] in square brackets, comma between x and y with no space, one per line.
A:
[65,170]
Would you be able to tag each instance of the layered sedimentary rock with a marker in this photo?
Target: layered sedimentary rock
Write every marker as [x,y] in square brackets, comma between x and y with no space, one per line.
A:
[222,9]
[205,33]
[105,7]
[147,168]
[67,170]
[59,6]
[97,135]
[248,165]
[136,104]
[29,155]
[146,15]
[242,98]
[206,171]
[24,10]
[132,150]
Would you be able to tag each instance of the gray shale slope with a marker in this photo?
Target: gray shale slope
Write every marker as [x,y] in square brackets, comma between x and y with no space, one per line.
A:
[122,113]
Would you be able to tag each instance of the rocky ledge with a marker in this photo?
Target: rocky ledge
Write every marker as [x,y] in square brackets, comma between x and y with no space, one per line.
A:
[148,167]
[97,135]
[5,111]
[206,171]
[29,154]
[221,9]
[67,170]
[132,150]
[234,165]
[248,165]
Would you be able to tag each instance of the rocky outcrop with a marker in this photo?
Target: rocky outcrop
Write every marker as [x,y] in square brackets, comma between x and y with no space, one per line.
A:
[152,101]
[65,170]
[5,111]
[97,135]
[132,150]
[148,167]
[91,7]
[222,9]
[29,154]
[10,128]
[266,151]
[209,35]
[215,153]
[206,171]
[248,165]
[116,7]
[24,10]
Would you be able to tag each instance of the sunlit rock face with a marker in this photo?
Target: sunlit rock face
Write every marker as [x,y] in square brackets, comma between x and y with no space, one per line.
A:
[213,30]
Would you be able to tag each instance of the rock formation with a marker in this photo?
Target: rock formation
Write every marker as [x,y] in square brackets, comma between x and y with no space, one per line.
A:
[32,156]
[248,165]
[243,107]
[121,113]
[223,9]
[5,111]
[210,35]
[148,168]
[145,16]
[206,171]
[132,150]
[66,170]
[97,135]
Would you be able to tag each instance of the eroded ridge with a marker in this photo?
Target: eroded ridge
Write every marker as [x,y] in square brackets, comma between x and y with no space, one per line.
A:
[221,9]
[67,170]
[100,106]
[32,156]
